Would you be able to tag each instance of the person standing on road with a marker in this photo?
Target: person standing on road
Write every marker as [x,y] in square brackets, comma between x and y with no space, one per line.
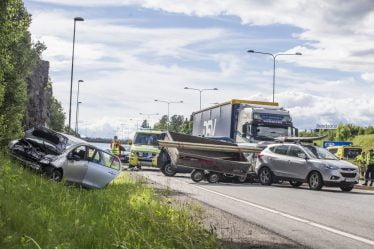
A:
[116,146]
[361,161]
[370,168]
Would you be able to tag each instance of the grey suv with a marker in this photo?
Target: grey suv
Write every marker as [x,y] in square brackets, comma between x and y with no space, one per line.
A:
[298,163]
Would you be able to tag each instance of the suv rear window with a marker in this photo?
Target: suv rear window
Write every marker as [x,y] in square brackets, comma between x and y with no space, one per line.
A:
[282,149]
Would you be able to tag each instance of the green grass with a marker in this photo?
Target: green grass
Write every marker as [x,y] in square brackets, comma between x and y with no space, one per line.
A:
[38,213]
[366,141]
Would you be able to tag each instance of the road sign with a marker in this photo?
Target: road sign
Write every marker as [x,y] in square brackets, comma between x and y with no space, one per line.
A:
[336,143]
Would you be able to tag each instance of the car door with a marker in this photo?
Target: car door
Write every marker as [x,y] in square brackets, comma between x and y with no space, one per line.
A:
[297,164]
[279,160]
[102,169]
[76,165]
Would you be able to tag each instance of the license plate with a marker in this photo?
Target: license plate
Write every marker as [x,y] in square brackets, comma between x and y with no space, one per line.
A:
[350,179]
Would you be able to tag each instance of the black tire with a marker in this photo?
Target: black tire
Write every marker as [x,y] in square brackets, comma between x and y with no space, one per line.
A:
[169,170]
[54,174]
[315,181]
[347,188]
[197,175]
[265,176]
[241,179]
[213,177]
[296,183]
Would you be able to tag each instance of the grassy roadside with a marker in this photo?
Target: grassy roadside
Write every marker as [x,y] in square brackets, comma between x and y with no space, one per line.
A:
[36,212]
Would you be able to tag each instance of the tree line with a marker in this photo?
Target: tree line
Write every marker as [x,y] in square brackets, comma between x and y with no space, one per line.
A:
[18,57]
[344,132]
[178,123]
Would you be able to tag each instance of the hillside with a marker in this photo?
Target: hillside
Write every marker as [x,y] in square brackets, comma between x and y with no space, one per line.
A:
[366,141]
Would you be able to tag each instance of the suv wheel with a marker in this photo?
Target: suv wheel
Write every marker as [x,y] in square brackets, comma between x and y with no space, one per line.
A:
[315,181]
[347,188]
[213,177]
[265,176]
[296,183]
[169,170]
[197,175]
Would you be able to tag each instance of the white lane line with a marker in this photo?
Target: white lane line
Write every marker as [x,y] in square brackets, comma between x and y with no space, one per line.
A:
[311,223]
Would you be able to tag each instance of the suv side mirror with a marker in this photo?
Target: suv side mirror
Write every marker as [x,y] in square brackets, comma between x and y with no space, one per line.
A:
[302,155]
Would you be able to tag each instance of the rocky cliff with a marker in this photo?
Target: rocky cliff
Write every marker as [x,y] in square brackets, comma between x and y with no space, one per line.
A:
[39,93]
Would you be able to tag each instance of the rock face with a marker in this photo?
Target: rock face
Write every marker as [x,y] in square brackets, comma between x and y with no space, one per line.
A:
[39,93]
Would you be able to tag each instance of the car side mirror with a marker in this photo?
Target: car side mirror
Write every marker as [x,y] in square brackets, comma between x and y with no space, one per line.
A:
[302,155]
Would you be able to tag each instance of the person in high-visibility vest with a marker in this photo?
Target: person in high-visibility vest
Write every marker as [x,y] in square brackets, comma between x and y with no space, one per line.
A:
[361,161]
[370,168]
[116,146]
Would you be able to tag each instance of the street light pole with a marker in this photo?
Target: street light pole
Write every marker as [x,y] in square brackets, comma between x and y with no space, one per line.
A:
[76,131]
[169,102]
[76,111]
[274,58]
[200,91]
[76,19]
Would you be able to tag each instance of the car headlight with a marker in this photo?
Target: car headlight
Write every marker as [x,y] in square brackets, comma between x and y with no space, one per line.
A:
[331,167]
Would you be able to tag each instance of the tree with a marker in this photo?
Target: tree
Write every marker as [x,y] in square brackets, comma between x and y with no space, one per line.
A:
[57,115]
[162,124]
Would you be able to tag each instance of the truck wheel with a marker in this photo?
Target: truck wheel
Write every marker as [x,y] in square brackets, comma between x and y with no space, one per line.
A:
[169,170]
[296,183]
[315,181]
[347,188]
[213,177]
[241,179]
[197,175]
[265,176]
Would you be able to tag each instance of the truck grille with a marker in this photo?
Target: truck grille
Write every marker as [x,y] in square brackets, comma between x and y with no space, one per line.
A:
[351,175]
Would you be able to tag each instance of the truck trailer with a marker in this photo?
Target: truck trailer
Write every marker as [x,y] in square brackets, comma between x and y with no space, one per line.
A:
[244,121]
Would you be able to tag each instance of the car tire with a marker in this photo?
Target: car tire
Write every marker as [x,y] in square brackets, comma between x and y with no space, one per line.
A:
[265,176]
[347,188]
[315,181]
[197,175]
[241,179]
[296,183]
[213,177]
[169,170]
[53,173]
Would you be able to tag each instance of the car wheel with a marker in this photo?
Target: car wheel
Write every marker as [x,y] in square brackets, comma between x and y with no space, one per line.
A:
[197,175]
[241,179]
[54,174]
[213,177]
[347,188]
[265,176]
[315,181]
[296,183]
[169,170]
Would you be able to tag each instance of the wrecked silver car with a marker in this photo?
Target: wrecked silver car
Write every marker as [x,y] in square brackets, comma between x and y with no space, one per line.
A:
[62,156]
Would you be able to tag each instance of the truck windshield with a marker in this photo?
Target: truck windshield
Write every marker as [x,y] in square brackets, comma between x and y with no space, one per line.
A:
[147,139]
[269,133]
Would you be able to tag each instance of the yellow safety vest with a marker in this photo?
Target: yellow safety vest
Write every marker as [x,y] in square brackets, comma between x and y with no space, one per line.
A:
[115,148]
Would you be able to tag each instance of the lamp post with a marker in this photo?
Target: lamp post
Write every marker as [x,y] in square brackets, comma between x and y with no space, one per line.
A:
[76,109]
[201,90]
[148,115]
[169,102]
[274,58]
[76,19]
[76,130]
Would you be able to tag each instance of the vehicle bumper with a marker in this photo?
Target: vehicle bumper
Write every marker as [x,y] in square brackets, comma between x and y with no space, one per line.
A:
[140,161]
[337,178]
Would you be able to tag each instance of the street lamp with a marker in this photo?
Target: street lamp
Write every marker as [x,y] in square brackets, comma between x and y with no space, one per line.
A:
[169,102]
[76,109]
[76,131]
[200,91]
[148,115]
[76,19]
[274,57]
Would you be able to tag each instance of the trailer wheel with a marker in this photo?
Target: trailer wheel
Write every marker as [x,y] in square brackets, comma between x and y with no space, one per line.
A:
[213,177]
[197,175]
[169,170]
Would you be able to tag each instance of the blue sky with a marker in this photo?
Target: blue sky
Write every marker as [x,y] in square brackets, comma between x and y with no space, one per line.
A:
[130,52]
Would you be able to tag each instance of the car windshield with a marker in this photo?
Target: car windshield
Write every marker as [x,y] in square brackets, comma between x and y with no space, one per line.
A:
[269,133]
[147,139]
[320,153]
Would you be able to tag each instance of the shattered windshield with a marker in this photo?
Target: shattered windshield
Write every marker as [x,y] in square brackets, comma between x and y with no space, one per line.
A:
[269,133]
[147,139]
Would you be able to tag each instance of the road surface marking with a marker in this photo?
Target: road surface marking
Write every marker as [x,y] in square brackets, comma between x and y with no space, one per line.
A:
[311,223]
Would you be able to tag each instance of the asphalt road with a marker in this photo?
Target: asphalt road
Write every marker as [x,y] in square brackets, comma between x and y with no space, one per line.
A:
[317,219]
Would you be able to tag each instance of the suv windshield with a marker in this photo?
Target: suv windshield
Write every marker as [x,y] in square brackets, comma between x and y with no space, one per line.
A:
[147,139]
[269,133]
[320,153]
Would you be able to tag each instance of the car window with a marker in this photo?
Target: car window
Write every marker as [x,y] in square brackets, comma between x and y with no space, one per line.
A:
[272,148]
[294,151]
[333,151]
[106,160]
[282,149]
[80,151]
[90,154]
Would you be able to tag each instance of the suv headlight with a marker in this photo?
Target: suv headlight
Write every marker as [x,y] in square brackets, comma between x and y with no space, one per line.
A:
[331,167]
